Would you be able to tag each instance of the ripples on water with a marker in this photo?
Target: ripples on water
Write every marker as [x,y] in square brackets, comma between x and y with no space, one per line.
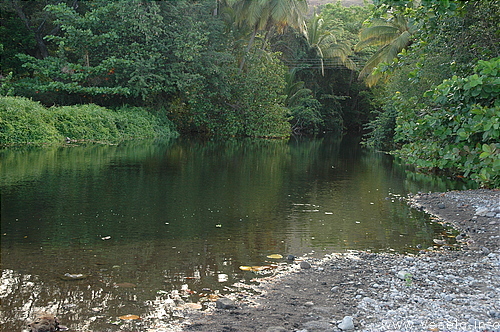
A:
[142,219]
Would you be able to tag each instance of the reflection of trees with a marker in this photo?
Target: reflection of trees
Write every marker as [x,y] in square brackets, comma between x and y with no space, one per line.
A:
[160,204]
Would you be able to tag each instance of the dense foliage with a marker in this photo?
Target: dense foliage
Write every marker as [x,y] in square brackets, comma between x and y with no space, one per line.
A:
[215,67]
[438,105]
[270,68]
[24,121]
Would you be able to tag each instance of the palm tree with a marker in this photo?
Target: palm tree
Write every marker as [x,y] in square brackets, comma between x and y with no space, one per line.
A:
[324,42]
[265,15]
[392,35]
[294,90]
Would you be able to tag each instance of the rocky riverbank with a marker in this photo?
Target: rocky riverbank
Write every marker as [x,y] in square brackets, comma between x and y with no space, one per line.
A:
[443,288]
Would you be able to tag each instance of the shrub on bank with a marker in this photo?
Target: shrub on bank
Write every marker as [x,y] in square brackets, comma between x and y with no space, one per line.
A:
[459,130]
[23,121]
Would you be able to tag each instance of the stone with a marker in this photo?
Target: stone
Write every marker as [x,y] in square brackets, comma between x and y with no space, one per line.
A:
[481,211]
[346,324]
[225,303]
[403,275]
[290,257]
[305,265]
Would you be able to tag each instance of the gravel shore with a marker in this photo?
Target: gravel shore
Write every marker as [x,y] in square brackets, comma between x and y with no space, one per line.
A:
[453,286]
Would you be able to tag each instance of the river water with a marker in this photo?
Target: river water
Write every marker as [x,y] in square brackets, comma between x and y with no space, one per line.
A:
[140,221]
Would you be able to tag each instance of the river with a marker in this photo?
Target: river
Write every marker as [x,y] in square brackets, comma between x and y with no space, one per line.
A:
[142,221]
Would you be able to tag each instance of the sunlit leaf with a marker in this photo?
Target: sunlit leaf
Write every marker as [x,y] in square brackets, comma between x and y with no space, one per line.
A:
[69,276]
[246,268]
[275,256]
[194,306]
[258,268]
[125,285]
[222,277]
[125,317]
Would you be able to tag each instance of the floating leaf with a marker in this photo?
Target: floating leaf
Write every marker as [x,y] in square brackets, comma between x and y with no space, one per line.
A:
[129,317]
[69,276]
[257,268]
[213,297]
[106,238]
[275,256]
[246,268]
[125,285]
[194,306]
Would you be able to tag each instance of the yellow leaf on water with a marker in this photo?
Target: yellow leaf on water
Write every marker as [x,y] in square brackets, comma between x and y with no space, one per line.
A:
[246,268]
[129,317]
[275,256]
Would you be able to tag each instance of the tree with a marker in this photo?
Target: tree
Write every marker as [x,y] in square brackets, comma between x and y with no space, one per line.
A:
[37,21]
[392,36]
[115,52]
[265,15]
[325,44]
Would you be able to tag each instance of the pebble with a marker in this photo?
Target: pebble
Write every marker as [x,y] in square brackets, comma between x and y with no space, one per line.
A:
[346,324]
[305,265]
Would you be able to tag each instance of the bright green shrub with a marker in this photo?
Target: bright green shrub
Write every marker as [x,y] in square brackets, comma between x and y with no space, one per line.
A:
[460,129]
[24,121]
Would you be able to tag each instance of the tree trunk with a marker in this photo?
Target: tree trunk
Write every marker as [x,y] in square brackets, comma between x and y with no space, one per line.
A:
[41,51]
[247,50]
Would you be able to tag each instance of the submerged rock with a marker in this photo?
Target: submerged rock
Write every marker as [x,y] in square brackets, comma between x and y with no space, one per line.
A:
[225,303]
[305,265]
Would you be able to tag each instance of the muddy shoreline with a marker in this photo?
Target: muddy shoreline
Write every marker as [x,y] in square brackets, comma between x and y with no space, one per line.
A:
[436,289]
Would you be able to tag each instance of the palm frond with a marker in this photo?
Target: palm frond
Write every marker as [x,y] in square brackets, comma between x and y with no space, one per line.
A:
[377,58]
[375,31]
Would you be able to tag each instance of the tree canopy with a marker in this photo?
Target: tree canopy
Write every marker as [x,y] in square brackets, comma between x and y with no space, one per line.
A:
[269,67]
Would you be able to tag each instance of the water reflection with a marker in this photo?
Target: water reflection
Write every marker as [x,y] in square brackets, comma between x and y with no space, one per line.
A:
[142,219]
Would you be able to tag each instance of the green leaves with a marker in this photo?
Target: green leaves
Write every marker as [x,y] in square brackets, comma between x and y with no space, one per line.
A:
[23,121]
[461,130]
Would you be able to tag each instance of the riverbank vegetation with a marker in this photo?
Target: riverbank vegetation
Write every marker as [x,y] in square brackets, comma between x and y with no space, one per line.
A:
[24,121]
[418,78]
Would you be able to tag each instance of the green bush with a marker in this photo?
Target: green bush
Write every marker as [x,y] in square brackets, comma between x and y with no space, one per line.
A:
[460,129]
[26,121]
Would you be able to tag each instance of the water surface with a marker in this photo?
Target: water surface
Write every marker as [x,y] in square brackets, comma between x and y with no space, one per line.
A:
[162,214]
